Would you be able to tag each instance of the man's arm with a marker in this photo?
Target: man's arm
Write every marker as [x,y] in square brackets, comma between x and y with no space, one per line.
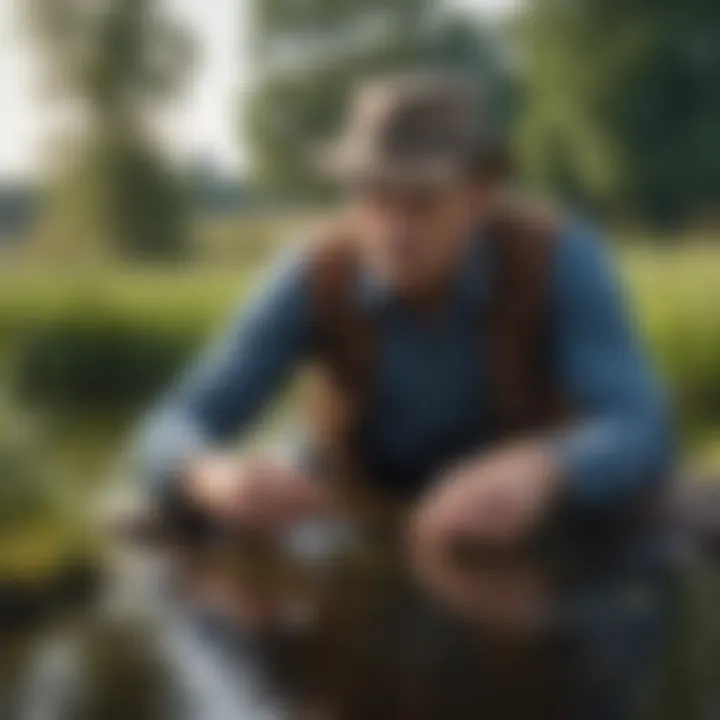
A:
[231,383]
[623,442]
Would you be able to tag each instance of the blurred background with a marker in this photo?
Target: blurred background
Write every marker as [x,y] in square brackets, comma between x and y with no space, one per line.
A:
[152,160]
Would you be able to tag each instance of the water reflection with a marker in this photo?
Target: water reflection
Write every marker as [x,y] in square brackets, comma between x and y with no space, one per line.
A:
[349,630]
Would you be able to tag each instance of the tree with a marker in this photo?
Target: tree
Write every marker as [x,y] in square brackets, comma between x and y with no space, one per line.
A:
[312,53]
[622,104]
[112,63]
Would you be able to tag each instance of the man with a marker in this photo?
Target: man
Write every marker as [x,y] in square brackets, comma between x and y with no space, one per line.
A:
[481,364]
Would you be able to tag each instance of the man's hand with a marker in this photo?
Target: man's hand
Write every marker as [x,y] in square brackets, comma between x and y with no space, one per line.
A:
[495,501]
[256,494]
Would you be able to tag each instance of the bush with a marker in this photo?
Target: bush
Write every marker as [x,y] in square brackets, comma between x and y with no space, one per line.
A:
[95,364]
[107,342]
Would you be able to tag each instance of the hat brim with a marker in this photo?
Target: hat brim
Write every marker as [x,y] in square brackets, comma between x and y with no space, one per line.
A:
[350,163]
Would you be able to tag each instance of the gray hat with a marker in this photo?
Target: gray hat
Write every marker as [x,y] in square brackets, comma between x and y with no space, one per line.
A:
[410,129]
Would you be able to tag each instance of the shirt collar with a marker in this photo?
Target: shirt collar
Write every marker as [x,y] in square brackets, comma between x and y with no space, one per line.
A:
[469,287]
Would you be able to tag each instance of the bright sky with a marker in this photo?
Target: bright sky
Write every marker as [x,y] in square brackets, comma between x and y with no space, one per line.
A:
[204,124]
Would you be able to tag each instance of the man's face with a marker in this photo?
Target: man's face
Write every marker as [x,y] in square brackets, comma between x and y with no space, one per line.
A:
[414,236]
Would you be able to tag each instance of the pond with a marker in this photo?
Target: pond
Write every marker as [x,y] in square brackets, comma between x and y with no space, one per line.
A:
[255,632]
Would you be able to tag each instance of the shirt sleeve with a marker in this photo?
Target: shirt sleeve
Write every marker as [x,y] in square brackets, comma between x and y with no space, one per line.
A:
[623,441]
[232,381]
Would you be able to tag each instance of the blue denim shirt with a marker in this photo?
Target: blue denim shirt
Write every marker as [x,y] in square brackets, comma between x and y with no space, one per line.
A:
[428,404]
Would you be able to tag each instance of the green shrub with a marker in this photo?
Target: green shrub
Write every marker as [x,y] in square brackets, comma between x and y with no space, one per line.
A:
[109,341]
[98,364]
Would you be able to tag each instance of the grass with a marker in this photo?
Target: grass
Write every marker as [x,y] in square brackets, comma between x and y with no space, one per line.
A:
[673,280]
[189,295]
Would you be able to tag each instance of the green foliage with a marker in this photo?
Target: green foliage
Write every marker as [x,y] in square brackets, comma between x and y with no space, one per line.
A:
[40,531]
[117,61]
[313,54]
[23,482]
[104,343]
[620,103]
[675,292]
[685,681]
[94,363]
[115,54]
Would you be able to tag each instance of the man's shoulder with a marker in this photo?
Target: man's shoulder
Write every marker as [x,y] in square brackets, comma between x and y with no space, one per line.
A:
[547,216]
[558,249]
[323,243]
[581,242]
[330,258]
[570,234]
[584,268]
[520,214]
[330,239]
